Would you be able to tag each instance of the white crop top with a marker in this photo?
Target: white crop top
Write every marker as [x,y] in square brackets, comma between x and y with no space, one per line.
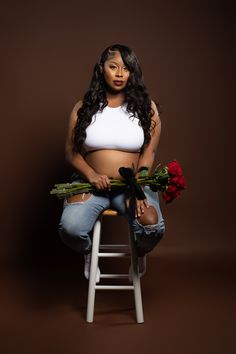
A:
[114,129]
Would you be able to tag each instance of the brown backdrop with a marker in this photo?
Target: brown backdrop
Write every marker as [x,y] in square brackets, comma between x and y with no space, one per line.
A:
[47,55]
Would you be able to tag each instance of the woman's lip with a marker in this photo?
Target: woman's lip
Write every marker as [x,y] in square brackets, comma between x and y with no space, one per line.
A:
[118,82]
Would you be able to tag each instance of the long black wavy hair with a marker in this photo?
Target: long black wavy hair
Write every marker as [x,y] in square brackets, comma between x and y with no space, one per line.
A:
[136,96]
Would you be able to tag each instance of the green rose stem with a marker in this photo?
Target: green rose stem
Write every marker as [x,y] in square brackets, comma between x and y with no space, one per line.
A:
[159,180]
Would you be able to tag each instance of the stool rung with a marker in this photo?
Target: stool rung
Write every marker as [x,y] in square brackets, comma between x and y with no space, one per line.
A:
[104,247]
[114,287]
[110,254]
[107,276]
[113,250]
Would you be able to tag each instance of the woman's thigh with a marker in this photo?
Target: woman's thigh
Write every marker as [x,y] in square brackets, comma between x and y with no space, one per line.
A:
[78,218]
[118,202]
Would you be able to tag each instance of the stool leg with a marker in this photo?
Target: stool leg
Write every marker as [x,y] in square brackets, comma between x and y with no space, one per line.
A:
[93,271]
[136,280]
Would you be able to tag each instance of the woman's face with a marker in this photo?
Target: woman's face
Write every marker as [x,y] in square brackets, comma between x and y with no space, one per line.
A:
[115,72]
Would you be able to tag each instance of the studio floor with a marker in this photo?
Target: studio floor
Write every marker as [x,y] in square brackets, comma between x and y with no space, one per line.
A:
[188,302]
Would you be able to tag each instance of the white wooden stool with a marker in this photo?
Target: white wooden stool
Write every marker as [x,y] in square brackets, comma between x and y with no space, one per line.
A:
[96,254]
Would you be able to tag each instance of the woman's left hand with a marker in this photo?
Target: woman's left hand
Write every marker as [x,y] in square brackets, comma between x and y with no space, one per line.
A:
[140,207]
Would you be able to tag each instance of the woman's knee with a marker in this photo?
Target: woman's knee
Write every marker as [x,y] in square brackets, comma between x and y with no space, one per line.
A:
[73,227]
[69,228]
[75,221]
[148,236]
[75,238]
[149,217]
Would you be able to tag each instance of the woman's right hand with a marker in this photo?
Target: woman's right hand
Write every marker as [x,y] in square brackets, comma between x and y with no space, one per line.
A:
[100,181]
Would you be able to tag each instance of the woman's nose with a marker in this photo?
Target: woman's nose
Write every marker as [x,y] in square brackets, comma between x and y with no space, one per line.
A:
[119,72]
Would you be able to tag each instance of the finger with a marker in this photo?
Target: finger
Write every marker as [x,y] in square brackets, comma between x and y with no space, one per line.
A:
[146,203]
[104,181]
[101,183]
[108,183]
[99,186]
[142,206]
[138,208]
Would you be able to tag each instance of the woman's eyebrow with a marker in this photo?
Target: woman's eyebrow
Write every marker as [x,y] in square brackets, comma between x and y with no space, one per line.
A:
[112,61]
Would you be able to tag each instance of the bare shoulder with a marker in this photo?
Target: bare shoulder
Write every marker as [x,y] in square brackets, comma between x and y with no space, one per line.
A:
[77,106]
[156,116]
[71,124]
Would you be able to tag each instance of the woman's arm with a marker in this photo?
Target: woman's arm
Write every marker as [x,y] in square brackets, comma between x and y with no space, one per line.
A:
[76,160]
[148,156]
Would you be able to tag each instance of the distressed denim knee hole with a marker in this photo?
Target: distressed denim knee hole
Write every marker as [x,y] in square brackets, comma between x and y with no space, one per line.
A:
[148,236]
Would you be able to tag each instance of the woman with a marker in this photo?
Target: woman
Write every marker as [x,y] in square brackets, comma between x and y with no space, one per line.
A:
[116,124]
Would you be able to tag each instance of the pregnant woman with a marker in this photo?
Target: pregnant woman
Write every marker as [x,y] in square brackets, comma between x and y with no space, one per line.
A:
[115,124]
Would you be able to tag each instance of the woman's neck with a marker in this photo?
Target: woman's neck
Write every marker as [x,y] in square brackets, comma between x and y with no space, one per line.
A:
[115,99]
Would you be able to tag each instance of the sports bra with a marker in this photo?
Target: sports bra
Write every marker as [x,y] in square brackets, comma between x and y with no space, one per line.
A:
[114,129]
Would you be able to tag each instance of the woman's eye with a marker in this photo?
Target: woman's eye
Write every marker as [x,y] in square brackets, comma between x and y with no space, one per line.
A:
[113,67]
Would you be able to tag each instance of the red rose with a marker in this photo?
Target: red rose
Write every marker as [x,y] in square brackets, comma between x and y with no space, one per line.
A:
[174,168]
[168,198]
[179,181]
[175,182]
[172,189]
[171,193]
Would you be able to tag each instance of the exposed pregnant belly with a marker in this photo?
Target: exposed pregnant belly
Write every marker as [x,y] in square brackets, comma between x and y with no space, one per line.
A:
[108,162]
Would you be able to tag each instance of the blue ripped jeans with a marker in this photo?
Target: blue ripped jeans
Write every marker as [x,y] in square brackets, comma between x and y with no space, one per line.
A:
[78,218]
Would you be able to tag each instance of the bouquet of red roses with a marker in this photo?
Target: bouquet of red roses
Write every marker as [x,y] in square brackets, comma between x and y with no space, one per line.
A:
[169,180]
[176,181]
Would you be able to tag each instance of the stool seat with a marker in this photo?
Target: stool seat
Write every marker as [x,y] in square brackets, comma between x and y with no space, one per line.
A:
[96,254]
[110,212]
